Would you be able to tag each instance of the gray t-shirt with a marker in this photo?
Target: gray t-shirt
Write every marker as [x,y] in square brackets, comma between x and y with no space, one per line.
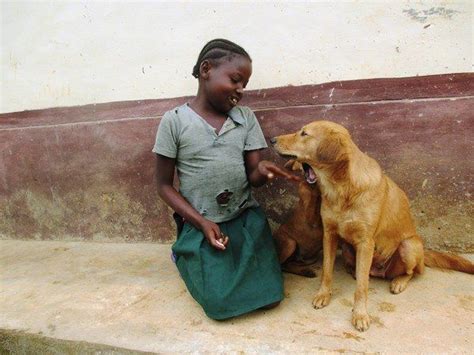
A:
[210,166]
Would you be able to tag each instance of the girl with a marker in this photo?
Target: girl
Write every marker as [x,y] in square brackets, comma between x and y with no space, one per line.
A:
[224,251]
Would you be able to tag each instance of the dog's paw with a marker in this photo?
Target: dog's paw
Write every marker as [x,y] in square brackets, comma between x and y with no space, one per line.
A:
[321,300]
[360,321]
[399,284]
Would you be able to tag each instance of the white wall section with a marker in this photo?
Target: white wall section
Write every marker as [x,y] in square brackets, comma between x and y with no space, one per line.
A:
[63,53]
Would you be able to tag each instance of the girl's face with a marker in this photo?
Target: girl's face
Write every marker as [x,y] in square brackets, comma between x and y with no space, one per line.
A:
[224,84]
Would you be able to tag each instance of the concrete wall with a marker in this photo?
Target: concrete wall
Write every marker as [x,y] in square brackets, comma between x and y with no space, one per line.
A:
[62,53]
[88,173]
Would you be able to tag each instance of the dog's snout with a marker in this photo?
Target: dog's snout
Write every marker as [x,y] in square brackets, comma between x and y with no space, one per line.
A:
[273,141]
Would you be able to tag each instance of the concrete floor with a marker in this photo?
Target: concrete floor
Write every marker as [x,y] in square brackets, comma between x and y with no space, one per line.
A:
[130,296]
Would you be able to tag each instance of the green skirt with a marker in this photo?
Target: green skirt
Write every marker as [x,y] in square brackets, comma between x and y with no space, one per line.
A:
[244,277]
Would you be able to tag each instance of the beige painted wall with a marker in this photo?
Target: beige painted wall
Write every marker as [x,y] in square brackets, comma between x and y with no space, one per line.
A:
[70,53]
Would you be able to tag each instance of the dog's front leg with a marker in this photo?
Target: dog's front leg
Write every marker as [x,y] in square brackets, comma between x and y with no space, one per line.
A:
[329,255]
[364,254]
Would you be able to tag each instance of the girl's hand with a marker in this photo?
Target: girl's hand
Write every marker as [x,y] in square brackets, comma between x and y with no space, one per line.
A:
[270,170]
[214,235]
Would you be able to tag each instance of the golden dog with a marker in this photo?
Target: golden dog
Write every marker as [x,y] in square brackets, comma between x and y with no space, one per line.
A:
[364,208]
[300,239]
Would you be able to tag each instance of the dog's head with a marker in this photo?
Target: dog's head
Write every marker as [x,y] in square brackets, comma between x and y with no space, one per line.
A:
[320,145]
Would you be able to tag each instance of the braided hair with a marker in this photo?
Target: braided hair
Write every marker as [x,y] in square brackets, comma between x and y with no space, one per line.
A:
[216,50]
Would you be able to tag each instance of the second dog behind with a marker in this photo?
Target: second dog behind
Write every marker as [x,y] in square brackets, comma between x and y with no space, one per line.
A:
[299,240]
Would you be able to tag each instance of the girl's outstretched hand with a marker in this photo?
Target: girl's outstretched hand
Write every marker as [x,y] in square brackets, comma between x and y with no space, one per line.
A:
[270,170]
[214,235]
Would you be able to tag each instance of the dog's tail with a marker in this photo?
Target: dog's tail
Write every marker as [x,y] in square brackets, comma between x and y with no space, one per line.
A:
[448,261]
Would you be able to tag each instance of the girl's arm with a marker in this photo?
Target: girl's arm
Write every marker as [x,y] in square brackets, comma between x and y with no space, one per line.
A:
[260,171]
[165,175]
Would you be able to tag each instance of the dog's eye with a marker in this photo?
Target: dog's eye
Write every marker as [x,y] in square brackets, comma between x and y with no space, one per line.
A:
[303,133]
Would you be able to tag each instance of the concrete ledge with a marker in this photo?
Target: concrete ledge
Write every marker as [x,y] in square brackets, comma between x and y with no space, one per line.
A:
[130,296]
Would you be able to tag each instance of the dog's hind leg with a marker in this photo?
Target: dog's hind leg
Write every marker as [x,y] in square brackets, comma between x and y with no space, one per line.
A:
[285,246]
[410,254]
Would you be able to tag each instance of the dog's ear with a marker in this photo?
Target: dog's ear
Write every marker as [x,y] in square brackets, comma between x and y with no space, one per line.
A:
[331,149]
[333,152]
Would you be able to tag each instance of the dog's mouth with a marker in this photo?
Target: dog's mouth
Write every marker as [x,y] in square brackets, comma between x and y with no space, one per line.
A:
[309,174]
